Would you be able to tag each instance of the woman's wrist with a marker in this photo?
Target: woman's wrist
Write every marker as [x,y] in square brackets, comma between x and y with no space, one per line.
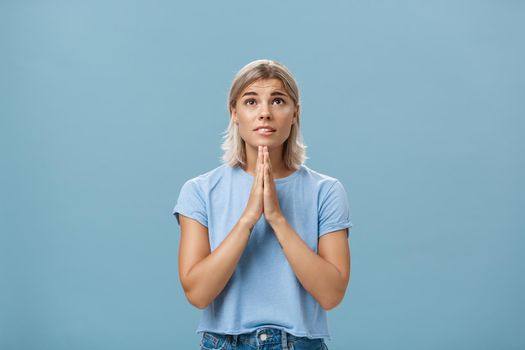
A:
[246,223]
[276,220]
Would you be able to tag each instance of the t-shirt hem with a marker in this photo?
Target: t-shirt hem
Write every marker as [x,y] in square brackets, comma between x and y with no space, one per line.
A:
[190,215]
[336,227]
[237,332]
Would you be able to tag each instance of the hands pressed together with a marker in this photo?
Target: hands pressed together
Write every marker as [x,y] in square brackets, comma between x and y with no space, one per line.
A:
[263,196]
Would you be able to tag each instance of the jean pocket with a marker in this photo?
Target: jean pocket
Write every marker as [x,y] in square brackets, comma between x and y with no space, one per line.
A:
[213,341]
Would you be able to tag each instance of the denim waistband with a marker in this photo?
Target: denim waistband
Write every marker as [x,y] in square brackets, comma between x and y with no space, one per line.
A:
[263,336]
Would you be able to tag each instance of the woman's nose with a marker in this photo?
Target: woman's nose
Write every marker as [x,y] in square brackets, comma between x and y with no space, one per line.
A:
[265,112]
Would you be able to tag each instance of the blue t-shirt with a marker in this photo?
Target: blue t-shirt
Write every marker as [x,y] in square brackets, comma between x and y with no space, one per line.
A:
[264,291]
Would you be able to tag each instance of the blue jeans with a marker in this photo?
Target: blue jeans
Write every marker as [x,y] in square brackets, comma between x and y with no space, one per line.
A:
[261,339]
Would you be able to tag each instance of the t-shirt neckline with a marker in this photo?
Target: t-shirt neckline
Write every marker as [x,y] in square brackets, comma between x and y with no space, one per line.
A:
[277,181]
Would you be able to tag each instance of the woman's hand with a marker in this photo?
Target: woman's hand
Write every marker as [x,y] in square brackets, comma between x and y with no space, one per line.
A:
[272,210]
[254,208]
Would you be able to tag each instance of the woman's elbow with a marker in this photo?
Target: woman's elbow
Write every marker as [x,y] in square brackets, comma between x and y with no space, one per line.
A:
[333,301]
[329,305]
[191,291]
[199,303]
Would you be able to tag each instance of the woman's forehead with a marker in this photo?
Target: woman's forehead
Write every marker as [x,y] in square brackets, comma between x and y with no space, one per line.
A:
[272,83]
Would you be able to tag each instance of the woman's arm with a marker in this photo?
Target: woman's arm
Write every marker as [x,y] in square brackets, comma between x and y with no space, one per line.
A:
[324,275]
[204,275]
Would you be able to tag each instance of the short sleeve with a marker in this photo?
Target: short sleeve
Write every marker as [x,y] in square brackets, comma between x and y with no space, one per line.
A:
[334,211]
[191,203]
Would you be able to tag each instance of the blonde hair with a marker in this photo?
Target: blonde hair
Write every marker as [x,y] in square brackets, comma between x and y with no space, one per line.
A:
[294,150]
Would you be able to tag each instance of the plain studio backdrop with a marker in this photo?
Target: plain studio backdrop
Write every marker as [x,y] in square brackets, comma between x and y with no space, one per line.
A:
[107,107]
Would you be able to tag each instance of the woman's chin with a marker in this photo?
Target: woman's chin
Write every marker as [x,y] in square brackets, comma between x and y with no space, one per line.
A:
[271,144]
[262,143]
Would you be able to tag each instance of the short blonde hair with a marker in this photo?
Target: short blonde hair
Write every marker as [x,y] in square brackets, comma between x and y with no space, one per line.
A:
[294,150]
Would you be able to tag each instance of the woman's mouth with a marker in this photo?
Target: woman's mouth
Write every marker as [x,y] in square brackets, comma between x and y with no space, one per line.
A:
[264,132]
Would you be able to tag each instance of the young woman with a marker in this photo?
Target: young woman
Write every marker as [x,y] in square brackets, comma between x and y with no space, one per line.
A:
[264,238]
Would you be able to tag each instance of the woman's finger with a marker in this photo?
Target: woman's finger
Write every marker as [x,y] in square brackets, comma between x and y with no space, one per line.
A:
[268,160]
[264,177]
[259,166]
[266,164]
[265,156]
[258,163]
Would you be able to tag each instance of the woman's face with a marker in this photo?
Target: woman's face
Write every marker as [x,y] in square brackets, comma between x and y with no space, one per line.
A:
[265,102]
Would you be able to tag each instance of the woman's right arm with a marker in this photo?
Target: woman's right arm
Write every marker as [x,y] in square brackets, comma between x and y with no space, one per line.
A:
[203,274]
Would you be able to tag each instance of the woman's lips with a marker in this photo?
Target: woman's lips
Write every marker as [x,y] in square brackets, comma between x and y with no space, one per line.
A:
[263,132]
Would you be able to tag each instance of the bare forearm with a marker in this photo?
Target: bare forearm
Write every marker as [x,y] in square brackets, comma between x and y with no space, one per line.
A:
[208,278]
[318,276]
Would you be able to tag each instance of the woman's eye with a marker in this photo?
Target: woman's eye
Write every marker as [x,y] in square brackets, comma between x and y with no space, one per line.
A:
[280,100]
[250,102]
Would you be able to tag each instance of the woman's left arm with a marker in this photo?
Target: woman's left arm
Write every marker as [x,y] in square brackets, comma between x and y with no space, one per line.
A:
[324,275]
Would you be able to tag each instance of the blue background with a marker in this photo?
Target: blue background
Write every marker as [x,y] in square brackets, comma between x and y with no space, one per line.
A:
[107,107]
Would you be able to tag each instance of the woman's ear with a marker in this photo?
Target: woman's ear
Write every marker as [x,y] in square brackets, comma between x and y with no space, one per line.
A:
[296,114]
[234,115]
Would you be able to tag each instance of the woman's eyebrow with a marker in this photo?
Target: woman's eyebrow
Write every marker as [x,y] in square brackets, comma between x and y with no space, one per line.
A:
[275,93]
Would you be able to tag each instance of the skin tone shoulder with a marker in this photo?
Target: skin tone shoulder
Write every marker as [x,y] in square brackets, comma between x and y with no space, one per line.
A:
[325,274]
